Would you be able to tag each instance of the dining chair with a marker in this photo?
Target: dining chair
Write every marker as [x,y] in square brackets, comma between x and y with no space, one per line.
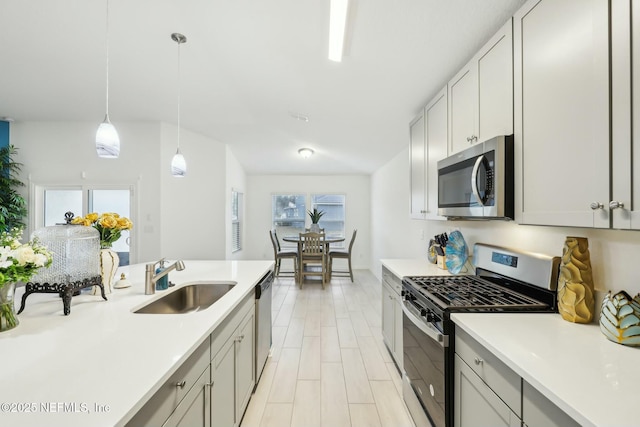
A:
[280,254]
[311,247]
[343,254]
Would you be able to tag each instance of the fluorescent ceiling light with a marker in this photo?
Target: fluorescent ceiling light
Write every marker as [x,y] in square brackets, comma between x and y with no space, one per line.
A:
[337,28]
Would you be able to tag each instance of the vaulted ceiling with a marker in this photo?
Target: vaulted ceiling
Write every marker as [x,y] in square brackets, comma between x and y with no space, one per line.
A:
[249,69]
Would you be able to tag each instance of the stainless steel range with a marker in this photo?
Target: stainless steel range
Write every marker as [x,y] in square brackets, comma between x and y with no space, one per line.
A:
[506,280]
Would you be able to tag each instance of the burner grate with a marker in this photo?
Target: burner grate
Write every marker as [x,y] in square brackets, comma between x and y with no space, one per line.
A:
[472,292]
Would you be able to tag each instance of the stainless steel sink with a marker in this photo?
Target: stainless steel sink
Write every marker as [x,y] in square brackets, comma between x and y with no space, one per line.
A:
[188,298]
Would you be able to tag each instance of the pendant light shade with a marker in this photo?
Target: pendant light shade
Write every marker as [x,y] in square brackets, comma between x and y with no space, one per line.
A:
[178,163]
[107,139]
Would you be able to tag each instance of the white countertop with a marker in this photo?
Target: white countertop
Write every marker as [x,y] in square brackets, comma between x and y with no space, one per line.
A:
[412,267]
[60,367]
[592,379]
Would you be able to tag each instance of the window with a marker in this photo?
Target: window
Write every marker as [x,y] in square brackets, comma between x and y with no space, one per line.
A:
[288,213]
[333,219]
[236,215]
[56,201]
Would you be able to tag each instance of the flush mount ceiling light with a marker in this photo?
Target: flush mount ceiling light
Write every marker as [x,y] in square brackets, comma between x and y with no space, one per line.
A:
[298,116]
[305,152]
[107,139]
[178,164]
[337,28]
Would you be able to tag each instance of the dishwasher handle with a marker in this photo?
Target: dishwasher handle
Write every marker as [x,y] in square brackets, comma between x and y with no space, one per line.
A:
[264,284]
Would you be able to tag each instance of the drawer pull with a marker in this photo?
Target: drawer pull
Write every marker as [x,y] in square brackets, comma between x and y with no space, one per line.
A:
[478,361]
[181,384]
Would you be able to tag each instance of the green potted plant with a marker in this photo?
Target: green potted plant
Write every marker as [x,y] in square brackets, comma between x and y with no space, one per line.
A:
[13,208]
[315,218]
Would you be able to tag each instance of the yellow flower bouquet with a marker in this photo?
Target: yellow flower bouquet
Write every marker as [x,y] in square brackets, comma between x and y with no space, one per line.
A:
[109,225]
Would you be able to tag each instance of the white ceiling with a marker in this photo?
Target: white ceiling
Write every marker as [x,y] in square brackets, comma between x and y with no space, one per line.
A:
[247,65]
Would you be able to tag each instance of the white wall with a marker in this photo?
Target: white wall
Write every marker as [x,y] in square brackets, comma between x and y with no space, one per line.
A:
[614,253]
[260,188]
[174,218]
[193,207]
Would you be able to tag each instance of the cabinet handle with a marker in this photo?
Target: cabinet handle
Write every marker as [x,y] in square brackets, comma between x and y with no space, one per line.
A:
[596,205]
[181,384]
[478,361]
[616,205]
[471,139]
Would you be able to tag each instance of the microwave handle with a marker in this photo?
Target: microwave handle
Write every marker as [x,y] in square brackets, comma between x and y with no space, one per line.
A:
[474,179]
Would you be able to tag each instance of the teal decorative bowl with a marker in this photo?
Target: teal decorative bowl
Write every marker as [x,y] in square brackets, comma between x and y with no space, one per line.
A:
[456,253]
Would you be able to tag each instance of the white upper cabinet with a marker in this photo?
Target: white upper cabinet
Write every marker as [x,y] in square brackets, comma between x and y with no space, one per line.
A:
[436,149]
[481,94]
[561,116]
[625,114]
[417,160]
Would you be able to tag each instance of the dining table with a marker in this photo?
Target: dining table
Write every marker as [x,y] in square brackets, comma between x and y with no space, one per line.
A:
[328,240]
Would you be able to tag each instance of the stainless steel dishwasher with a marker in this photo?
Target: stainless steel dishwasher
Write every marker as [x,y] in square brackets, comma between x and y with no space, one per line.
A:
[263,322]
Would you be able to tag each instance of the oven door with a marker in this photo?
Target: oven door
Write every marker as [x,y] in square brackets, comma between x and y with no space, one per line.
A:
[424,385]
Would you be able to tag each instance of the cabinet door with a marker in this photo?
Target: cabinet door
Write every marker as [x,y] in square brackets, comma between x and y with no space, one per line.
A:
[495,85]
[475,404]
[625,114]
[245,365]
[194,410]
[417,162]
[436,141]
[538,411]
[561,80]
[223,402]
[463,108]
[388,328]
[397,331]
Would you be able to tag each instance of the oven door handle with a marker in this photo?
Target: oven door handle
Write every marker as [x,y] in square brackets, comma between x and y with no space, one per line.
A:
[431,331]
[474,179]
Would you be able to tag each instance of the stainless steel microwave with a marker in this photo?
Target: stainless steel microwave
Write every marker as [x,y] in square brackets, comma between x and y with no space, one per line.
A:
[477,183]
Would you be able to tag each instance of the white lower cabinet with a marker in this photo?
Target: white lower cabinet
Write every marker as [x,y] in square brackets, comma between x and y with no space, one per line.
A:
[538,411]
[392,315]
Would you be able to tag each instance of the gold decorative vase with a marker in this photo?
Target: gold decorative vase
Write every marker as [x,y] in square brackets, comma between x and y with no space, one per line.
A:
[576,302]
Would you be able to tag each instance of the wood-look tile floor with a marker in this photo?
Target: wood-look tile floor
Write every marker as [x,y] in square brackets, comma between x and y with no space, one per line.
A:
[328,365]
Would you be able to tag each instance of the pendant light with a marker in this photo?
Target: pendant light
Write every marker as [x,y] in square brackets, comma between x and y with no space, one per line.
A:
[178,164]
[107,139]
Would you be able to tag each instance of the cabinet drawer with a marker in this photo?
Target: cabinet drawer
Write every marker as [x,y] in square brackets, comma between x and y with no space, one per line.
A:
[168,397]
[224,331]
[538,411]
[392,280]
[504,382]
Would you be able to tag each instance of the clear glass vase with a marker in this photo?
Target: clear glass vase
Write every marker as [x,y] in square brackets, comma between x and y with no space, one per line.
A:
[8,317]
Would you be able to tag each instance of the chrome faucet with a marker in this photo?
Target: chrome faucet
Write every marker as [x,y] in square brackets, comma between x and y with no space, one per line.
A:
[150,278]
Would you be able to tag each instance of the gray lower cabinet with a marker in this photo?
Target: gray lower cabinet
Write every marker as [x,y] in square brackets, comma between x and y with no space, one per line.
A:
[538,411]
[213,386]
[195,408]
[233,366]
[181,391]
[475,402]
[487,392]
[392,315]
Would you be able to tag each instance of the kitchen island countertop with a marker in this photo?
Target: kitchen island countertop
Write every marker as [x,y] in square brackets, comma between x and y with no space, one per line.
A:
[101,363]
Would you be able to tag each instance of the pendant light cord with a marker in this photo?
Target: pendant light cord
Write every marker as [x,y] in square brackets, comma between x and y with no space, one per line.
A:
[107,97]
[179,91]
